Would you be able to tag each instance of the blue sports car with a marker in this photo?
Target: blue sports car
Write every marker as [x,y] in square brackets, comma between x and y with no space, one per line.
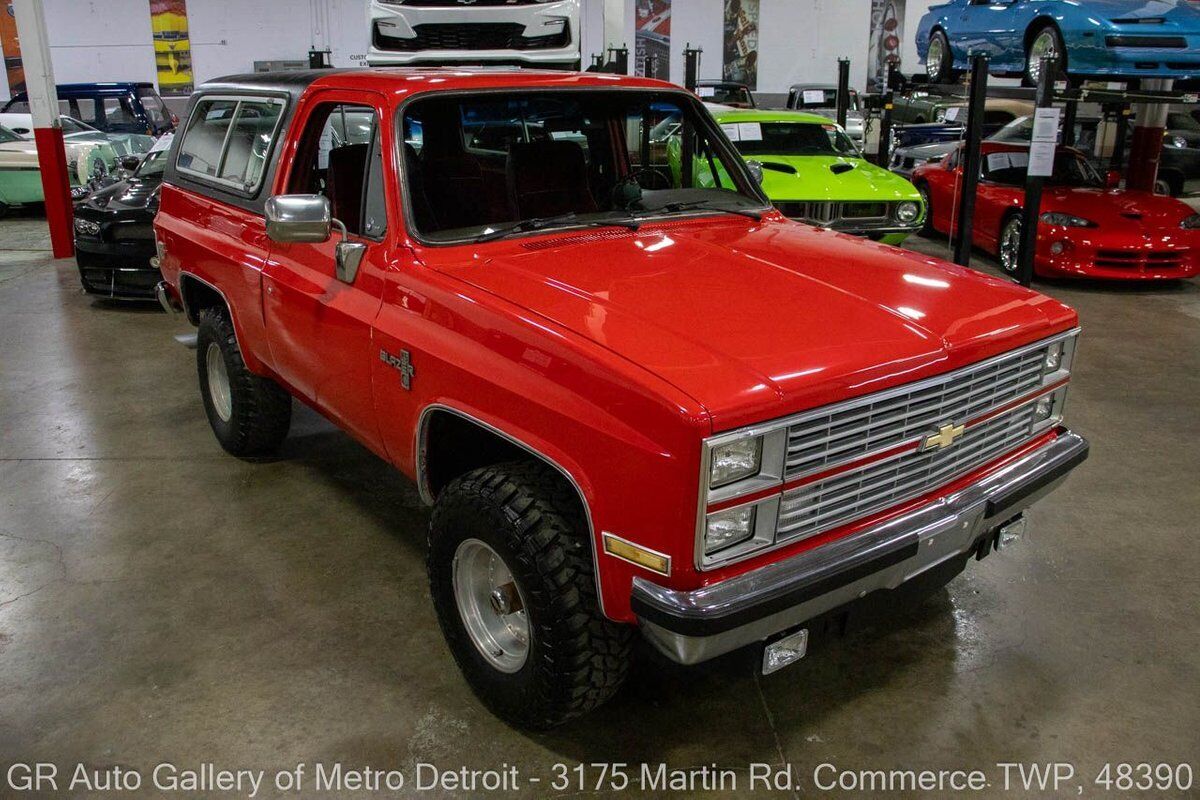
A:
[1102,38]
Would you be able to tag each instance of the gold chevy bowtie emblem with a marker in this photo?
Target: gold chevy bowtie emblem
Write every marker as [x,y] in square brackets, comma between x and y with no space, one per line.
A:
[946,436]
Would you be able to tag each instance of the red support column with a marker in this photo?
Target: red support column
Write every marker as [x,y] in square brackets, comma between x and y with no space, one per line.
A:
[43,106]
[1145,149]
[56,185]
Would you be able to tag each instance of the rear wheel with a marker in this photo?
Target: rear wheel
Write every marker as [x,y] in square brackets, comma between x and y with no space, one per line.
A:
[939,61]
[250,415]
[1010,244]
[510,572]
[1047,41]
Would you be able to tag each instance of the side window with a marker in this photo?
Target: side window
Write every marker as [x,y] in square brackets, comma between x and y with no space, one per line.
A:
[200,151]
[229,140]
[249,143]
[118,111]
[340,157]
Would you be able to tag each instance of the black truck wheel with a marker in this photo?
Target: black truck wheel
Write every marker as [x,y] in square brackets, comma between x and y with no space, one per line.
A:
[249,414]
[510,572]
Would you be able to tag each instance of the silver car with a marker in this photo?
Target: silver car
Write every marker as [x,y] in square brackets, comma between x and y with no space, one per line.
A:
[821,98]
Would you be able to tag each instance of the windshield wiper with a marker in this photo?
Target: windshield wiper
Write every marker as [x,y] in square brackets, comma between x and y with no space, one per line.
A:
[707,205]
[541,223]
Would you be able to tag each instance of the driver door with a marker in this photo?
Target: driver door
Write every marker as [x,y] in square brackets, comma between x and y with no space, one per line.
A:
[319,324]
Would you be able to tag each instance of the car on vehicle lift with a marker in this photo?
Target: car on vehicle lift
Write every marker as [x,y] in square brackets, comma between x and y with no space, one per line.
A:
[1084,38]
[1087,227]
[531,33]
[726,93]
[635,403]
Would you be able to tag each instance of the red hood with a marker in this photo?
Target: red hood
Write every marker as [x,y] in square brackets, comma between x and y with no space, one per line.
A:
[1117,208]
[756,321]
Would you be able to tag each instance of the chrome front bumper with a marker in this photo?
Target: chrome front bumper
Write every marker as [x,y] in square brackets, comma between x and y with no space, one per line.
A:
[694,626]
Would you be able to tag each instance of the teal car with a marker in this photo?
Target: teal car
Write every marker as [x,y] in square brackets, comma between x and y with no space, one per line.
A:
[21,174]
[814,173]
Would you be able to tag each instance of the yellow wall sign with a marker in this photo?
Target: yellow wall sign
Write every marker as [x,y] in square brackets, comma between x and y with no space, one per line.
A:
[172,46]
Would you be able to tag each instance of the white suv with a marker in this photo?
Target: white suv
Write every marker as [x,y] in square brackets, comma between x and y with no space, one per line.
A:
[542,33]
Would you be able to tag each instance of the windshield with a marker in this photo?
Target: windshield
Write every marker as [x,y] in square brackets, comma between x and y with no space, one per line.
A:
[71,125]
[1012,168]
[153,164]
[477,165]
[789,139]
[726,95]
[7,136]
[819,97]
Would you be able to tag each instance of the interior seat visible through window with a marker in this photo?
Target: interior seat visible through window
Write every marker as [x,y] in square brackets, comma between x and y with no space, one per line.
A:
[548,178]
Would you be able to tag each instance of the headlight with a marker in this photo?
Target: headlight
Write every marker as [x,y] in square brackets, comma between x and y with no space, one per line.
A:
[1176,141]
[1191,223]
[908,212]
[734,461]
[1054,358]
[1066,220]
[86,227]
[726,528]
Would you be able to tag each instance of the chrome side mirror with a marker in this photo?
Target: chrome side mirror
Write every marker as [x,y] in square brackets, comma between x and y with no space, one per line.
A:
[349,257]
[299,218]
[756,170]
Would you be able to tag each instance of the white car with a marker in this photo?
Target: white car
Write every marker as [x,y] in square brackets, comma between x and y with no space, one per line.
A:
[77,131]
[535,33]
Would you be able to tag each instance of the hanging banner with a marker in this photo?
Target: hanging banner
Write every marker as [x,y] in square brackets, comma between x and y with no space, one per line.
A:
[12,49]
[887,34]
[741,42]
[172,47]
[652,38]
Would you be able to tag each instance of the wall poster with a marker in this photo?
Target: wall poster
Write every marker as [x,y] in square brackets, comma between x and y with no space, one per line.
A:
[172,47]
[12,49]
[887,35]
[652,38]
[741,42]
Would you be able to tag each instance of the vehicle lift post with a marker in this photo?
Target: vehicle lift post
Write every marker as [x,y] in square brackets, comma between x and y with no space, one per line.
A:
[619,60]
[1117,162]
[1145,149]
[843,91]
[691,67]
[971,159]
[883,152]
[1034,184]
[47,129]
[648,66]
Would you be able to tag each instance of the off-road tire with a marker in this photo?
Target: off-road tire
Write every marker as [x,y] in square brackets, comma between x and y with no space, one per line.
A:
[528,515]
[262,410]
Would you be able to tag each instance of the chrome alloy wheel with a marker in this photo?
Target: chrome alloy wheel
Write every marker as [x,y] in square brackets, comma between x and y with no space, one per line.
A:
[1045,44]
[933,59]
[218,382]
[491,605]
[1010,246]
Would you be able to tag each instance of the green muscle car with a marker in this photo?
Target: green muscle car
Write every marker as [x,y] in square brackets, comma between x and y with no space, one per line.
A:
[814,173]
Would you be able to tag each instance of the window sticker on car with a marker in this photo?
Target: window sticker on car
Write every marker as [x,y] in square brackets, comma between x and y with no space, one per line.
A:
[707,91]
[952,113]
[163,143]
[999,161]
[750,131]
[812,96]
[732,131]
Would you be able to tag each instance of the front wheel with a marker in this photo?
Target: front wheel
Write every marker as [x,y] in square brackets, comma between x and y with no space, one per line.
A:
[927,229]
[1046,42]
[250,415]
[1010,245]
[510,572]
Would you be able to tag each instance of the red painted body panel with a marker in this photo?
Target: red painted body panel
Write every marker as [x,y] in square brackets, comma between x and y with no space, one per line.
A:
[612,353]
[1137,234]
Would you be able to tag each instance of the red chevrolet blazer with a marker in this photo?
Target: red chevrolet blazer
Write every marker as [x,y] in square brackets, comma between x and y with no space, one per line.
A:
[636,405]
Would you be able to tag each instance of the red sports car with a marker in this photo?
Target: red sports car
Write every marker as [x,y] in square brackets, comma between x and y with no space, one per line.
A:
[1089,228]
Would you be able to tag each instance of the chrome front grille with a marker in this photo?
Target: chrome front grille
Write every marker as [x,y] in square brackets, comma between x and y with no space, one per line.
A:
[848,496]
[851,431]
[837,465]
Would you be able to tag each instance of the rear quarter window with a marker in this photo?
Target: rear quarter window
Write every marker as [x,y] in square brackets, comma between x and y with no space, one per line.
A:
[228,141]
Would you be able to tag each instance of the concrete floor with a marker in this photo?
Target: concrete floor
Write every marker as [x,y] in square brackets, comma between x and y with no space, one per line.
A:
[161,601]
